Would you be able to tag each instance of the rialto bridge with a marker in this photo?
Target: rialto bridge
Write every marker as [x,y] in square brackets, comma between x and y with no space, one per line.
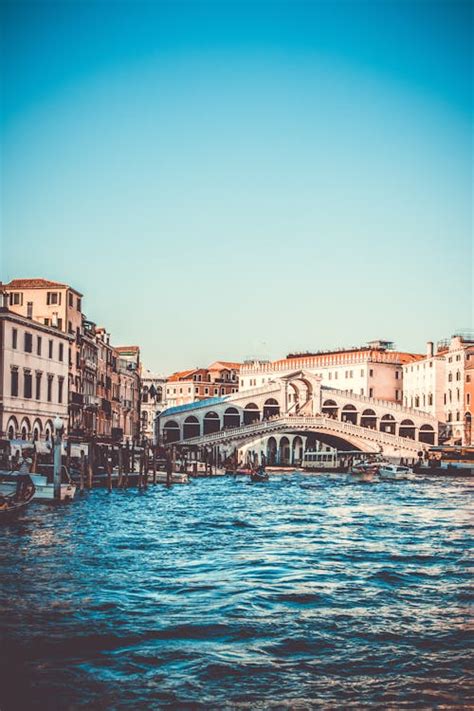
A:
[288,414]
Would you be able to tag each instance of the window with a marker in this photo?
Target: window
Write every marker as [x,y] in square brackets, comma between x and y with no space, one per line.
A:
[450,377]
[38,386]
[50,349]
[71,299]
[14,338]
[397,375]
[430,399]
[60,389]
[50,387]
[53,297]
[468,398]
[371,372]
[206,391]
[330,376]
[60,324]
[371,392]
[29,309]
[16,299]
[61,351]
[196,390]
[458,375]
[14,382]
[28,343]
[335,375]
[27,384]
[362,391]
[38,345]
[46,321]
[417,401]
[78,304]
[216,391]
[362,372]
[397,395]
[468,378]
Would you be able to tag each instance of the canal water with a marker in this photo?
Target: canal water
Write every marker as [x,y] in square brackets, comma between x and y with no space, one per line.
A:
[306,592]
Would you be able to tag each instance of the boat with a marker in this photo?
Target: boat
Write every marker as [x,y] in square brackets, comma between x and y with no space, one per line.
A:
[394,472]
[364,471]
[176,478]
[259,475]
[43,483]
[19,498]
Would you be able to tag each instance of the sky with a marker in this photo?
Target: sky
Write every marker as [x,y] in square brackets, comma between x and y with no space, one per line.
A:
[224,180]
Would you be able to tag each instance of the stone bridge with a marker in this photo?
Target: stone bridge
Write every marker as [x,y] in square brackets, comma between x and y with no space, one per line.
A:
[296,402]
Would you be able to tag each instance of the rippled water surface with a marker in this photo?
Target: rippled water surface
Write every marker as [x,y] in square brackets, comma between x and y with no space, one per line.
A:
[305,592]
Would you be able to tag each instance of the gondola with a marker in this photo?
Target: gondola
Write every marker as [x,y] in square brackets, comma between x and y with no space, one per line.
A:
[18,499]
[259,475]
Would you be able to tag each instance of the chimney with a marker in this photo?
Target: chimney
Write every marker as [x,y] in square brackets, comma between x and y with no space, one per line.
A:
[429,349]
[4,300]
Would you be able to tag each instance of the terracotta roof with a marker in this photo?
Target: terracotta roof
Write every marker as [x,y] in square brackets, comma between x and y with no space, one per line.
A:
[180,375]
[223,364]
[391,356]
[127,349]
[38,283]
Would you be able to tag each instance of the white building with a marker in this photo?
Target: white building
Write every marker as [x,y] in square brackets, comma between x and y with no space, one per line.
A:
[34,364]
[458,360]
[152,401]
[375,370]
[424,383]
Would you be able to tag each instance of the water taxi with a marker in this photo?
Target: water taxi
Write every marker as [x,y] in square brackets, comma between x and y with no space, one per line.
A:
[394,472]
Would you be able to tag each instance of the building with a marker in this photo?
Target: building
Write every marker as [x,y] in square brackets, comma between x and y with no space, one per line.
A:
[219,379]
[58,306]
[129,370]
[459,356]
[106,364]
[424,383]
[153,388]
[89,366]
[374,370]
[33,376]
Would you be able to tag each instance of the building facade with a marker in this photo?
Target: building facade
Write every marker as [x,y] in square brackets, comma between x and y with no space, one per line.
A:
[219,379]
[375,370]
[153,388]
[424,383]
[33,377]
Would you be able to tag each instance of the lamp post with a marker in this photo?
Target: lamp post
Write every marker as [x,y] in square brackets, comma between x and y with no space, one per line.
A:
[58,436]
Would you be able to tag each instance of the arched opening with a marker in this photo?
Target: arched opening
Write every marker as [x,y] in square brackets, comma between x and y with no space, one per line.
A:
[271,451]
[407,429]
[251,413]
[25,428]
[231,418]
[271,408]
[368,419]
[349,414]
[427,434]
[37,430]
[12,428]
[191,427]
[48,430]
[387,424]
[298,450]
[212,423]
[285,450]
[171,432]
[330,409]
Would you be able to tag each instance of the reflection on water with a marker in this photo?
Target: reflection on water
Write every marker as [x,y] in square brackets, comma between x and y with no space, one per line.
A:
[300,593]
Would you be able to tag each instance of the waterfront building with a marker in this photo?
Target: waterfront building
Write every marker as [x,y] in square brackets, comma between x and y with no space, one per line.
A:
[58,306]
[153,387]
[89,365]
[440,383]
[217,380]
[33,376]
[424,383]
[374,370]
[106,364]
[129,370]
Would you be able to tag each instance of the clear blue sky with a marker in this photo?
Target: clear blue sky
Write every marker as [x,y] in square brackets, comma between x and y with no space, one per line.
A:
[230,179]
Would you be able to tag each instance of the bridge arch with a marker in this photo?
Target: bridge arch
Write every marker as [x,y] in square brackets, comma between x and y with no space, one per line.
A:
[407,429]
[272,450]
[368,418]
[427,434]
[191,427]
[330,408]
[251,413]
[171,431]
[388,424]
[349,414]
[285,450]
[212,422]
[271,408]
[231,418]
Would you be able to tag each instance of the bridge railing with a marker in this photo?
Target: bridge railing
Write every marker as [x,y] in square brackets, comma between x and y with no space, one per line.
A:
[308,421]
[377,401]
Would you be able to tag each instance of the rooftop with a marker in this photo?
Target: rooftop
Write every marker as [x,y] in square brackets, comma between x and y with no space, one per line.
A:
[37,283]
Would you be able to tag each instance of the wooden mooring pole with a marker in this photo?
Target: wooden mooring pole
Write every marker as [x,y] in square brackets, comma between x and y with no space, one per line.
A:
[82,469]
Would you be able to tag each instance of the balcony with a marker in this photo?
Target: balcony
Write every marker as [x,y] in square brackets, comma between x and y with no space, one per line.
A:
[91,401]
[89,364]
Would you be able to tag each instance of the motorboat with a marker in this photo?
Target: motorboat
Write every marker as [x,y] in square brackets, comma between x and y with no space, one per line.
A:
[394,472]
[364,472]
[19,498]
[43,483]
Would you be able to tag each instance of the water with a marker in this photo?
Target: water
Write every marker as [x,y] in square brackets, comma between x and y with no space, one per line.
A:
[306,592]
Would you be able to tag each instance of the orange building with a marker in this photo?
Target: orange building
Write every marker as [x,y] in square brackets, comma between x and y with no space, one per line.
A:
[217,380]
